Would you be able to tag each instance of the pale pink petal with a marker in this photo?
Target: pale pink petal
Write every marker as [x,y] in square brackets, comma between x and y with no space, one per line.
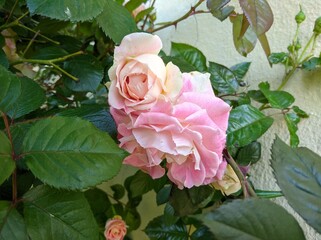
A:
[136,44]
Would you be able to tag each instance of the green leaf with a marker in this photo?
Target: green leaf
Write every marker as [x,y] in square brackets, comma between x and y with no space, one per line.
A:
[300,112]
[6,162]
[280,57]
[3,59]
[116,21]
[253,219]
[10,89]
[72,10]
[292,120]
[12,225]
[222,78]
[312,64]
[132,219]
[240,70]
[189,54]
[258,96]
[183,65]
[246,124]
[277,99]
[157,230]
[298,173]
[32,96]
[188,201]
[249,154]
[142,14]
[119,191]
[88,71]
[163,195]
[218,8]
[56,214]
[140,184]
[244,42]
[259,14]
[71,153]
[48,53]
[133,4]
[99,204]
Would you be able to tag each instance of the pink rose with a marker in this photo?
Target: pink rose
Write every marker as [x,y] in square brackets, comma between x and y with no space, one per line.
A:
[139,76]
[115,229]
[189,133]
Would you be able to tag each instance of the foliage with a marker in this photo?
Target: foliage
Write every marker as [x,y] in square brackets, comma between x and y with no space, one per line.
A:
[58,141]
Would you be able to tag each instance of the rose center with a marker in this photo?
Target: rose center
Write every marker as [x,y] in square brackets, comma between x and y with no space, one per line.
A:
[136,86]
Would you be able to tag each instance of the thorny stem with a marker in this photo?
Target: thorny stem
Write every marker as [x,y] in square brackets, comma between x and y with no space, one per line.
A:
[191,12]
[248,191]
[14,174]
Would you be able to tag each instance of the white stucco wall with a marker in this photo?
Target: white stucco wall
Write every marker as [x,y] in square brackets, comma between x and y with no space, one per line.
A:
[214,39]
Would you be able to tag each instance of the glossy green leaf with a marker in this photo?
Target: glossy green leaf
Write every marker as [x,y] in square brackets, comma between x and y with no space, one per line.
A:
[32,96]
[214,5]
[259,14]
[190,54]
[280,57]
[116,21]
[252,219]
[55,214]
[240,70]
[71,153]
[292,120]
[88,71]
[249,154]
[298,174]
[277,99]
[258,96]
[97,115]
[182,64]
[158,230]
[312,64]
[244,40]
[10,89]
[222,78]
[246,124]
[12,225]
[18,133]
[6,162]
[66,10]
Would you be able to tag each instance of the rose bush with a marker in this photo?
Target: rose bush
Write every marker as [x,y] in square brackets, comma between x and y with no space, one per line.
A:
[115,229]
[139,76]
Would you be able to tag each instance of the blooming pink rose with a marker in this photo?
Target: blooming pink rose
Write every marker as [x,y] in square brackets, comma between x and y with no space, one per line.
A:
[189,133]
[115,229]
[139,76]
